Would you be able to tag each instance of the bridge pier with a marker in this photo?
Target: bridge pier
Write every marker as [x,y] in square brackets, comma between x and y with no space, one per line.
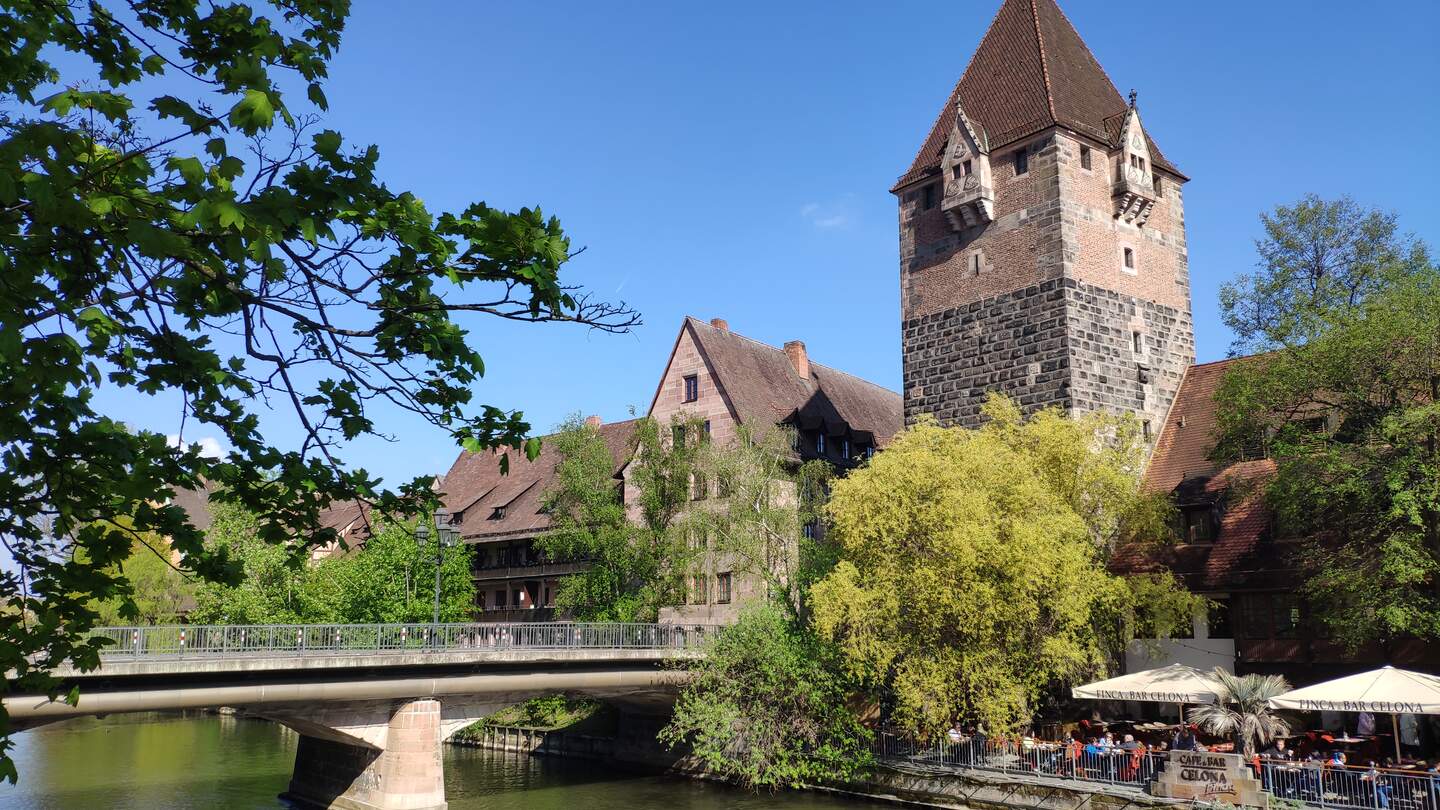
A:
[399,769]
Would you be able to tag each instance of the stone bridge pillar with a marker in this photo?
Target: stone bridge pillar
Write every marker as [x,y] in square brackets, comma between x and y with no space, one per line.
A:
[390,763]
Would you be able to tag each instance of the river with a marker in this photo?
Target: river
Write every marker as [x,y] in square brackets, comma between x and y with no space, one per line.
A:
[211,762]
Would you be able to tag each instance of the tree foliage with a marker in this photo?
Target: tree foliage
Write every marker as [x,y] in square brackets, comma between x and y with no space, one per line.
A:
[769,706]
[174,221]
[637,558]
[1318,258]
[390,579]
[1351,418]
[973,570]
[158,592]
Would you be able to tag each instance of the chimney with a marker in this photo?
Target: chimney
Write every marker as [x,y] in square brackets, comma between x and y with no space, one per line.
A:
[594,421]
[721,324]
[795,350]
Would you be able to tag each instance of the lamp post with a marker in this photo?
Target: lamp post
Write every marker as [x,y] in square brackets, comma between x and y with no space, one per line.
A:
[445,537]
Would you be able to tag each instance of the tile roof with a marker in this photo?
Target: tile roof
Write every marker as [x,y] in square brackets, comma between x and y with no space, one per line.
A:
[1031,72]
[196,505]
[764,389]
[1240,555]
[475,487]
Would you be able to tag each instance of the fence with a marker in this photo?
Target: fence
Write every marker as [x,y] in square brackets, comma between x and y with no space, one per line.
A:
[1309,783]
[370,639]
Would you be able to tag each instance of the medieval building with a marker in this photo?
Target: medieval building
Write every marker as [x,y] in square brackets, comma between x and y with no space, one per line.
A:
[1042,238]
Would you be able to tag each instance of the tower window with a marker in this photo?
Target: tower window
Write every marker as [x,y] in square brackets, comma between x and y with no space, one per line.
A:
[1130,259]
[975,263]
[927,197]
[692,388]
[1022,161]
[1145,429]
[1139,341]
[1159,185]
[1085,157]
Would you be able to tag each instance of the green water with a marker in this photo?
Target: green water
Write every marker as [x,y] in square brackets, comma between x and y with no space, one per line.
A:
[195,762]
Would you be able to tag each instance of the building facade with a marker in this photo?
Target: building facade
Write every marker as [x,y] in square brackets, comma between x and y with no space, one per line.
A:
[1042,238]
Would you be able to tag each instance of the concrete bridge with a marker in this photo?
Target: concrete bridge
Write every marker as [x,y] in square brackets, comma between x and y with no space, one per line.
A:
[372,703]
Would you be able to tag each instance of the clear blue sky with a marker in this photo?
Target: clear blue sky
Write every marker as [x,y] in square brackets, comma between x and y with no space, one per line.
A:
[734,159]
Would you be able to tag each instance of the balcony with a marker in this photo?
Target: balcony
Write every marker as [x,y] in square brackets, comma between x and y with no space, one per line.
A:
[1134,195]
[538,569]
[968,202]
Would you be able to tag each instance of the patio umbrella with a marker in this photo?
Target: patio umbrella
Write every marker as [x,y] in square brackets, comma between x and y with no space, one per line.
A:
[1176,683]
[1387,690]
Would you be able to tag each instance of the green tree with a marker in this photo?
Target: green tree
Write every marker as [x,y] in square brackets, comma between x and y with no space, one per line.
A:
[769,706]
[272,587]
[213,244]
[1351,418]
[973,575]
[1318,259]
[159,592]
[392,579]
[1243,712]
[636,566]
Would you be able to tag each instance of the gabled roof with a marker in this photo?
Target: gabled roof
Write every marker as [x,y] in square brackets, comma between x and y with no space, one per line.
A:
[1031,72]
[764,389]
[475,487]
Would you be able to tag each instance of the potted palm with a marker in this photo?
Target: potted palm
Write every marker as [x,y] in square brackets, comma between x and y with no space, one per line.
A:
[1243,711]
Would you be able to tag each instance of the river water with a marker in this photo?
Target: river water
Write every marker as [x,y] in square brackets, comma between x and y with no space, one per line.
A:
[211,762]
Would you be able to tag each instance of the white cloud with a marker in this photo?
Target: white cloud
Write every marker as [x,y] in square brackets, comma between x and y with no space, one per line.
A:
[209,445]
[835,214]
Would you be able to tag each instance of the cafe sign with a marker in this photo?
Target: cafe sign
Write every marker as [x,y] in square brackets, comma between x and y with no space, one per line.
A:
[1208,777]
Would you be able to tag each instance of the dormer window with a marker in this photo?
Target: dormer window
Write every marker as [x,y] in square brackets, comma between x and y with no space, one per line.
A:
[692,387]
[498,513]
[1197,524]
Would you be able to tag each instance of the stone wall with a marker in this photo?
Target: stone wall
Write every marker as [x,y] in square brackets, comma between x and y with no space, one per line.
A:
[1015,342]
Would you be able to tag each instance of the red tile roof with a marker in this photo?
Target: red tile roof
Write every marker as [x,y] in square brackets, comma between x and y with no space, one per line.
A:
[1031,72]
[474,487]
[764,389]
[1240,555]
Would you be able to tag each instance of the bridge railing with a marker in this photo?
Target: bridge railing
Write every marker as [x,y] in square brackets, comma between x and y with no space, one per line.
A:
[264,640]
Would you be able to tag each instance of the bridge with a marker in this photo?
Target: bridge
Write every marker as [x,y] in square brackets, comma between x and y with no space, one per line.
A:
[372,703]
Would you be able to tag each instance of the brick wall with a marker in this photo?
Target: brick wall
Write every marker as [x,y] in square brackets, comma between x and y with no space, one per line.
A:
[1051,317]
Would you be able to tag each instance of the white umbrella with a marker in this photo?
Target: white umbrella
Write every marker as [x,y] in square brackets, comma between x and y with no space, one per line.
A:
[1176,683]
[1388,690]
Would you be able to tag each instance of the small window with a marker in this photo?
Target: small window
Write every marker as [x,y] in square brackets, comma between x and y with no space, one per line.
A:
[1129,258]
[820,443]
[869,451]
[1198,524]
[498,513]
[1022,161]
[700,488]
[707,429]
[966,166]
[1134,161]
[500,597]
[1159,186]
[975,263]
[845,449]
[692,388]
[927,197]
[722,588]
[1142,164]
[808,530]
[1145,429]
[1138,340]
[699,589]
[1085,157]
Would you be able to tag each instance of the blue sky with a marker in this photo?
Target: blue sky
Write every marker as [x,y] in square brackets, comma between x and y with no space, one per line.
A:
[734,159]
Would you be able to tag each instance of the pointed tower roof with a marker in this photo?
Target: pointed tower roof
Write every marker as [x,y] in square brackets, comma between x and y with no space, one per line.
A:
[1031,72]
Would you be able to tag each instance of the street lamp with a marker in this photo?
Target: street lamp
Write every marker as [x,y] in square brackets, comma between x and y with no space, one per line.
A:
[446,537]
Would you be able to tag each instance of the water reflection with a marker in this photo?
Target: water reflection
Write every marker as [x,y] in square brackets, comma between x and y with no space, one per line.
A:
[216,762]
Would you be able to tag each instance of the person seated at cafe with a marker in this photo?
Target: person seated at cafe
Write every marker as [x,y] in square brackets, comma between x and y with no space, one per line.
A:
[1379,787]
[1184,740]
[1278,750]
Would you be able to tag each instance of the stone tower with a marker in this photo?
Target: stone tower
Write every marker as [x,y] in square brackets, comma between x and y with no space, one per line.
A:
[1042,238]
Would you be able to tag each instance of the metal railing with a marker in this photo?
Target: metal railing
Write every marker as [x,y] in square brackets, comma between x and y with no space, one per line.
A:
[260,641]
[1310,783]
